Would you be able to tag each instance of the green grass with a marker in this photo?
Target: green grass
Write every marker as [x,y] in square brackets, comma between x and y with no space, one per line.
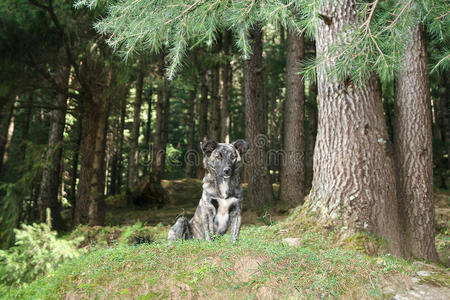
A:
[259,265]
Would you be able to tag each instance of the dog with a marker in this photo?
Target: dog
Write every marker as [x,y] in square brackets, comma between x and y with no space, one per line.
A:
[221,202]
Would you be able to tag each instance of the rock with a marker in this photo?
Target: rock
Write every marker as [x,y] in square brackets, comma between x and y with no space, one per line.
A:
[293,242]
[415,280]
[423,273]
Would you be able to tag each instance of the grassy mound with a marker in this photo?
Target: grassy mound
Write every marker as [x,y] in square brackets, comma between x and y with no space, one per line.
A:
[260,265]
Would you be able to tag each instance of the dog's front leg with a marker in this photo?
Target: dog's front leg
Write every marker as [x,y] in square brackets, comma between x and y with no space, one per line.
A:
[235,226]
[207,216]
[205,224]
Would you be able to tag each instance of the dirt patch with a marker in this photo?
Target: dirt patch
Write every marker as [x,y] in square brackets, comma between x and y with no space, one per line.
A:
[247,266]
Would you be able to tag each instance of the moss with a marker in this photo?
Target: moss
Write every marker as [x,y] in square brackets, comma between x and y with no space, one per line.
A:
[436,278]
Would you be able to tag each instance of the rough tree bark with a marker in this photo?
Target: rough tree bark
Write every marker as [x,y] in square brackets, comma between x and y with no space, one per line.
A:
[190,159]
[48,195]
[90,199]
[354,183]
[413,149]
[292,177]
[227,78]
[133,161]
[259,191]
[203,122]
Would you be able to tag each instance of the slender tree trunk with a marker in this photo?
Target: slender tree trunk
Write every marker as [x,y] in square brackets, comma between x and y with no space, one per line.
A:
[48,196]
[413,149]
[445,114]
[259,191]
[123,114]
[133,161]
[148,133]
[203,121]
[5,141]
[26,126]
[5,117]
[214,133]
[190,158]
[73,174]
[292,179]
[160,147]
[165,131]
[227,77]
[311,110]
[354,183]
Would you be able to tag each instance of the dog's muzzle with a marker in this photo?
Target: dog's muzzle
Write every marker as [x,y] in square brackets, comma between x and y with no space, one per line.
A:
[227,172]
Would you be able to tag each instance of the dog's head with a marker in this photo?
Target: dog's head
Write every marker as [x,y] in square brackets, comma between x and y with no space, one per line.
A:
[224,160]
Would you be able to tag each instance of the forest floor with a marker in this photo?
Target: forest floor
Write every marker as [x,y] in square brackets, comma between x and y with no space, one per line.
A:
[280,254]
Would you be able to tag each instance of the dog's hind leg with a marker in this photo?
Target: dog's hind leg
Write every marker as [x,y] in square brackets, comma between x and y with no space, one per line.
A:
[181,230]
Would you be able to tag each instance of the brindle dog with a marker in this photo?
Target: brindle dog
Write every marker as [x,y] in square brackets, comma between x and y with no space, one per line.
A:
[221,202]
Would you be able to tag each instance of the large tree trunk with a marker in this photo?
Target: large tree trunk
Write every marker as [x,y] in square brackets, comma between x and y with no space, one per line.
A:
[354,183]
[259,191]
[413,149]
[133,161]
[203,122]
[227,78]
[90,199]
[191,157]
[48,196]
[292,177]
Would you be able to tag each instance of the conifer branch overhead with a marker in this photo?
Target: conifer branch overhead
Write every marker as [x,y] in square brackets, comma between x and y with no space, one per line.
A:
[134,26]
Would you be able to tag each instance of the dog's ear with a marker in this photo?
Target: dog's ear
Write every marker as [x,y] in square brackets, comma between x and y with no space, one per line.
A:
[241,146]
[208,147]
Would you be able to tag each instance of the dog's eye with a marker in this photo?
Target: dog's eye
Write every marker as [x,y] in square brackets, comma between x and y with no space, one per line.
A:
[219,156]
[233,156]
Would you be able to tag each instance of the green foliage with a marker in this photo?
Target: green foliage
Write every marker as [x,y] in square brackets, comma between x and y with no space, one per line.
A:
[37,251]
[174,161]
[376,42]
[15,195]
[107,236]
[134,26]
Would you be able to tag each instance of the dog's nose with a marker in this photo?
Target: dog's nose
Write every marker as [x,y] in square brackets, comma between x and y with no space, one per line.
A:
[227,171]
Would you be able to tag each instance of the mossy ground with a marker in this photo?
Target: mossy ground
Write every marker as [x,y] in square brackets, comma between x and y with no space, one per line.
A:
[259,266]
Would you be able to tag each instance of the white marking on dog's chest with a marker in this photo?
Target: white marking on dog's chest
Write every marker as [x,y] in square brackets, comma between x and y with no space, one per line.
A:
[222,214]
[224,187]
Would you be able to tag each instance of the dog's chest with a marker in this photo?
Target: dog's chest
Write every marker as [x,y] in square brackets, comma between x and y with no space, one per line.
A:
[222,216]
